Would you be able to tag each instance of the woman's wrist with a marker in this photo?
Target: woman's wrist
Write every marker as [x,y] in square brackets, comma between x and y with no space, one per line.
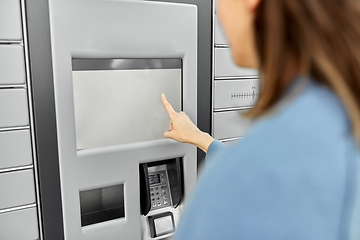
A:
[202,140]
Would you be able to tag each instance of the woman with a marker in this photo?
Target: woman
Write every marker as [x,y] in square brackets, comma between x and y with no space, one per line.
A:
[295,174]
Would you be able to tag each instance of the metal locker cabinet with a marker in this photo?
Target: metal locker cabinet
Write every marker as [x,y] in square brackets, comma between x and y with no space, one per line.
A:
[229,124]
[10,20]
[220,38]
[19,225]
[12,65]
[13,108]
[17,189]
[225,67]
[15,149]
[235,93]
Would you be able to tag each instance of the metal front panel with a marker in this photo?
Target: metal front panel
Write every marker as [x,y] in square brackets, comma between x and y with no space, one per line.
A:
[15,149]
[119,30]
[220,38]
[225,67]
[13,108]
[17,188]
[19,225]
[12,65]
[229,124]
[10,20]
[235,93]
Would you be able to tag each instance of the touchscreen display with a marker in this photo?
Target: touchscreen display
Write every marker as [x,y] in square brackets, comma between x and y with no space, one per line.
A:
[117,101]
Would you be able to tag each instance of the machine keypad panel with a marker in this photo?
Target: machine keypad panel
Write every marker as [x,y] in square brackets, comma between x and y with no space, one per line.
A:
[159,190]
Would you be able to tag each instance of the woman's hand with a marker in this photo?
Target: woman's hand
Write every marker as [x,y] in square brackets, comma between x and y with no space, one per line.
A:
[182,129]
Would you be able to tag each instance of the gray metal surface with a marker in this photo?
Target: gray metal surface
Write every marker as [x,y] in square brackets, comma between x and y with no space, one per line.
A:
[13,108]
[12,65]
[220,38]
[41,92]
[17,188]
[25,44]
[10,20]
[112,105]
[19,225]
[235,93]
[225,67]
[15,149]
[229,124]
[119,29]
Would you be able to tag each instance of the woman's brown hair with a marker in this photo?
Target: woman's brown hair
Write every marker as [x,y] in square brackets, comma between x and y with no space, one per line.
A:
[320,38]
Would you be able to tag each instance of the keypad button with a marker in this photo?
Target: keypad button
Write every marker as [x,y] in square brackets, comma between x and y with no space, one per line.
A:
[165,203]
[164,197]
[154,205]
[159,204]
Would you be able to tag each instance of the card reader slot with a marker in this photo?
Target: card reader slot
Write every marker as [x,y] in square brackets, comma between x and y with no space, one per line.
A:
[176,183]
[145,199]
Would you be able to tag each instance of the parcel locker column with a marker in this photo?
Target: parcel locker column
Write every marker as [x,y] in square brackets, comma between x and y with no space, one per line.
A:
[18,207]
[235,89]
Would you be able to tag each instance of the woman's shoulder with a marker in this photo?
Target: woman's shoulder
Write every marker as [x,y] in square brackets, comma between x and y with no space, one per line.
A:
[309,123]
[307,135]
[307,105]
[310,114]
[291,165]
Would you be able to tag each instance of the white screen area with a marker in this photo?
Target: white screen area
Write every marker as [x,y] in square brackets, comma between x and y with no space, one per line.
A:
[123,106]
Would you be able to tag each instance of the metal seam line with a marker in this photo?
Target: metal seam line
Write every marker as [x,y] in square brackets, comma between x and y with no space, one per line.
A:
[11,42]
[231,109]
[253,77]
[13,169]
[229,139]
[7,129]
[12,86]
[213,16]
[221,45]
[12,209]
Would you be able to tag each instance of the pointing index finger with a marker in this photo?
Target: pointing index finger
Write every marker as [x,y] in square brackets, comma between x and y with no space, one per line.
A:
[167,105]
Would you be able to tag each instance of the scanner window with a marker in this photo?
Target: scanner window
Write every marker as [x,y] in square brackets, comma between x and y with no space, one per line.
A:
[102,204]
[117,101]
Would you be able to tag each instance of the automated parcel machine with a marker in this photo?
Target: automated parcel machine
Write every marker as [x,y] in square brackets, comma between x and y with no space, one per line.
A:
[120,179]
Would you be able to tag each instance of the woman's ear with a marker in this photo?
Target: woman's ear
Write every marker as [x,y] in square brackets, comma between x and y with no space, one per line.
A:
[253,4]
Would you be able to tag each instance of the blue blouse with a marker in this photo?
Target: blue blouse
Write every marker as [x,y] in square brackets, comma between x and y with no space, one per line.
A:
[294,175]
